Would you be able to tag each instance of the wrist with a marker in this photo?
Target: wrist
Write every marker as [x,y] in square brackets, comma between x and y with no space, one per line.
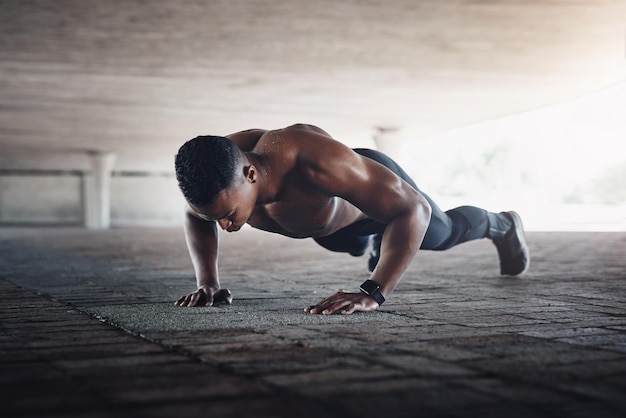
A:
[372,289]
[208,286]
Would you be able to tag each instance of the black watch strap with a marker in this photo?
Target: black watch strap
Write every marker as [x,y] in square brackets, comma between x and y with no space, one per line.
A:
[371,288]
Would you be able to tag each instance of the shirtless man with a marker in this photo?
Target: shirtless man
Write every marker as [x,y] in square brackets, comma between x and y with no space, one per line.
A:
[300,182]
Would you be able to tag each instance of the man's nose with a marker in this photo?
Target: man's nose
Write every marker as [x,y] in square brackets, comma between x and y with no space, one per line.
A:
[225,223]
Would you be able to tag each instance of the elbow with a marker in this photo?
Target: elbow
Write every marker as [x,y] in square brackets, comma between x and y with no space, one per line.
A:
[416,209]
[425,209]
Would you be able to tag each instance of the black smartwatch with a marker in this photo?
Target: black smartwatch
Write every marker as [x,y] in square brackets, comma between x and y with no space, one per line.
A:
[371,288]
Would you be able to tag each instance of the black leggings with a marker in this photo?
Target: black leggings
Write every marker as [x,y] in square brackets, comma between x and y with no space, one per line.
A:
[446,229]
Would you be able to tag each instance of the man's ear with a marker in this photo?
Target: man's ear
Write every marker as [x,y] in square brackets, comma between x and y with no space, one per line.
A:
[250,173]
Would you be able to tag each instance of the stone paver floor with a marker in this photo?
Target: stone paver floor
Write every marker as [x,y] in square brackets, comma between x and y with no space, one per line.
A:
[88,329]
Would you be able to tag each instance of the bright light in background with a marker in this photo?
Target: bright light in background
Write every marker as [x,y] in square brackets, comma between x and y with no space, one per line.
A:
[562,167]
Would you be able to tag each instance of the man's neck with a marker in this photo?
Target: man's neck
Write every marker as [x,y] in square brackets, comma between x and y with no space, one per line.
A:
[266,190]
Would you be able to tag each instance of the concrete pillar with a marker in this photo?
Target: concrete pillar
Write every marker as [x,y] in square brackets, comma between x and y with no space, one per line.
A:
[97,190]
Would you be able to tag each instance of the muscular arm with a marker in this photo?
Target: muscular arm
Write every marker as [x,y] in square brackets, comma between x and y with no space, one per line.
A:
[202,242]
[380,194]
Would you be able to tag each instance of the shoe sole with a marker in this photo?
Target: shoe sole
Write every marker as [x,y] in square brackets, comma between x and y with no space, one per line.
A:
[519,232]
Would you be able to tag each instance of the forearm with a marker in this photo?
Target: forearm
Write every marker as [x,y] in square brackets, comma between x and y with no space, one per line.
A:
[401,241]
[202,243]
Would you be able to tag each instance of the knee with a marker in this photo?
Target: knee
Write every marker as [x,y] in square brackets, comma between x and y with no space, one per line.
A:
[357,246]
[357,252]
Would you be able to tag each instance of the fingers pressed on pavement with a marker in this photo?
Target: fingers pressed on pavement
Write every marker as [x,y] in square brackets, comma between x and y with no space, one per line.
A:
[185,301]
[333,308]
[350,309]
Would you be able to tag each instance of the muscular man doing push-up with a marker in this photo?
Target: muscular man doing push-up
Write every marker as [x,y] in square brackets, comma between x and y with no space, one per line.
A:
[300,182]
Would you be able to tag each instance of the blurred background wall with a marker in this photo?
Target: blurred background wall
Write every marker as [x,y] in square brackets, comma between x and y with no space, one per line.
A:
[510,103]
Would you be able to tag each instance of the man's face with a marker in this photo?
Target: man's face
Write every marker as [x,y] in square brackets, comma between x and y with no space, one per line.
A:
[232,207]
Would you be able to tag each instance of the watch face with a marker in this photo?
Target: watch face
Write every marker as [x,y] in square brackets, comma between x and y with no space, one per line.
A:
[370,287]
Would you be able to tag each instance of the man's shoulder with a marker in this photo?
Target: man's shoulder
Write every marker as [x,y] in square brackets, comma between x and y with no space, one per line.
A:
[317,153]
[284,139]
[248,139]
[297,138]
[305,129]
[298,132]
[302,145]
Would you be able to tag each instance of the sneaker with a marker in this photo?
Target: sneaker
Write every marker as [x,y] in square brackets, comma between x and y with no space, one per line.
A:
[512,248]
[375,252]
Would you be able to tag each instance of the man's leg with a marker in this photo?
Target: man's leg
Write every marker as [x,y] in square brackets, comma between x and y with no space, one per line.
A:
[344,241]
[446,229]
[462,224]
[465,223]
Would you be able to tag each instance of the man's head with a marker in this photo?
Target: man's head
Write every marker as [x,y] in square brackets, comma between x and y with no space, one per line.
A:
[205,166]
[217,181]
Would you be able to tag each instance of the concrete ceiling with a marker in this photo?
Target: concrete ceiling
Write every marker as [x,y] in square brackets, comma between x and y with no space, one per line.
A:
[139,78]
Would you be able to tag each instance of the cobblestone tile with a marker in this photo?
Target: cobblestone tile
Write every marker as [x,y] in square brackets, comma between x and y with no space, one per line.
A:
[297,360]
[563,332]
[333,376]
[439,350]
[424,366]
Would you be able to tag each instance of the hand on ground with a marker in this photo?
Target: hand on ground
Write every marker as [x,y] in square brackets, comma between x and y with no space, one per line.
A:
[206,296]
[344,303]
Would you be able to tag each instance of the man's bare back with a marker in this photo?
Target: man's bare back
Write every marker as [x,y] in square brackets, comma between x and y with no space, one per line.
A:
[297,209]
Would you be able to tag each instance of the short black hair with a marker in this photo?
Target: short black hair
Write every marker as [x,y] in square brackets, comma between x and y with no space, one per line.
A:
[205,166]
